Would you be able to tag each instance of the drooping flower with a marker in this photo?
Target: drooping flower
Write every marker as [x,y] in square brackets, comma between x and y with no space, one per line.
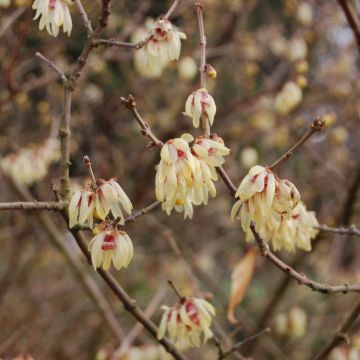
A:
[166,41]
[200,103]
[163,47]
[211,150]
[175,176]
[81,208]
[30,165]
[112,245]
[264,199]
[210,154]
[292,232]
[274,206]
[111,197]
[53,14]
[187,322]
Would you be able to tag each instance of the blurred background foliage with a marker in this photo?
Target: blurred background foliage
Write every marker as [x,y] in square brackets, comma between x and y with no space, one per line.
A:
[256,48]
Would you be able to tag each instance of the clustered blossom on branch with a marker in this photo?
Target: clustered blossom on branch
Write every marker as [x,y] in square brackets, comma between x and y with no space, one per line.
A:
[99,201]
[185,174]
[200,103]
[273,204]
[30,165]
[53,14]
[107,197]
[163,47]
[186,322]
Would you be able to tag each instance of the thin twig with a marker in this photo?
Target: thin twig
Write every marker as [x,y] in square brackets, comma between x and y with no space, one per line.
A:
[171,9]
[352,230]
[229,184]
[87,162]
[302,279]
[352,19]
[176,291]
[138,327]
[142,212]
[53,66]
[87,22]
[238,345]
[130,103]
[202,69]
[64,134]
[84,277]
[130,304]
[34,205]
[340,335]
[140,44]
[316,126]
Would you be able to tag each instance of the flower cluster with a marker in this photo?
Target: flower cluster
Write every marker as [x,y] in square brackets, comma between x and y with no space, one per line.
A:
[53,14]
[185,174]
[200,103]
[274,206]
[111,245]
[163,47]
[186,322]
[107,197]
[30,165]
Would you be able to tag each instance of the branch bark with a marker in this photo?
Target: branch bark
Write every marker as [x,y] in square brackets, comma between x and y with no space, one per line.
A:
[299,277]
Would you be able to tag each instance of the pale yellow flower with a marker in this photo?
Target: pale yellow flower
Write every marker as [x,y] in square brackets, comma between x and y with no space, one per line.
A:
[288,98]
[110,197]
[211,150]
[162,48]
[200,103]
[265,200]
[292,232]
[175,176]
[53,14]
[30,165]
[113,245]
[81,208]
[187,322]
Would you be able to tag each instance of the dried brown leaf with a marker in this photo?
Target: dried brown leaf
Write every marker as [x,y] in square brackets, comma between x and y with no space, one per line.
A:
[240,279]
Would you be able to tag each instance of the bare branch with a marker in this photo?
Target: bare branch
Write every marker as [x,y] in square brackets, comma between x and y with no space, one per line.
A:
[87,162]
[87,22]
[142,212]
[138,327]
[176,291]
[171,9]
[352,230]
[340,335]
[352,19]
[130,103]
[202,69]
[230,185]
[53,66]
[130,304]
[316,126]
[85,278]
[64,134]
[302,279]
[238,345]
[34,205]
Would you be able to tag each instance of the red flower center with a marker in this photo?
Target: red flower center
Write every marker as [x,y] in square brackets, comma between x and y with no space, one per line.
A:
[108,243]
